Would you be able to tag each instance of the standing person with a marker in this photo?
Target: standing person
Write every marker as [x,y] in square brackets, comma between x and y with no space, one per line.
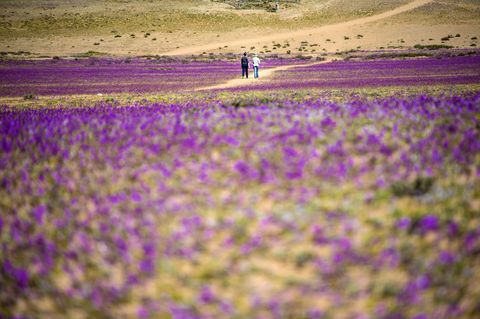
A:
[244,65]
[256,65]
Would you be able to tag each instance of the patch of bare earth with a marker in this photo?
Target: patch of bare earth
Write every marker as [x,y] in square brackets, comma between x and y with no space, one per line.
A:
[67,28]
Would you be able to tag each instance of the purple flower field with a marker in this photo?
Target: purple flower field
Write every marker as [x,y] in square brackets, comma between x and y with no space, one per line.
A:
[381,73]
[107,76]
[231,207]
[93,76]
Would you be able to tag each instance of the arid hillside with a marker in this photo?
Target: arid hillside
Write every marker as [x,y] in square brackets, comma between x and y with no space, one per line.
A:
[66,28]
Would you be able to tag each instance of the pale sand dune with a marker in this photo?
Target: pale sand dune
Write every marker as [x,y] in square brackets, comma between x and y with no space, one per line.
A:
[331,29]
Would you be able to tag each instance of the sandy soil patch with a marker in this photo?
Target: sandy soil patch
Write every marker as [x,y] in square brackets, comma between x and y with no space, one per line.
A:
[314,28]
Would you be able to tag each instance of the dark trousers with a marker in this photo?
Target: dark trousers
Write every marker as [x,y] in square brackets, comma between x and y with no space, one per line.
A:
[245,71]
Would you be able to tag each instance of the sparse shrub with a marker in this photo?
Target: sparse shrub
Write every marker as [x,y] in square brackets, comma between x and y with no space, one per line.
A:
[432,46]
[242,102]
[266,5]
[29,96]
[304,258]
[304,57]
[89,54]
[420,186]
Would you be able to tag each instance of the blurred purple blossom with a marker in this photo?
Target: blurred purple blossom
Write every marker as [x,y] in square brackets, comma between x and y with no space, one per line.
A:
[39,213]
[429,223]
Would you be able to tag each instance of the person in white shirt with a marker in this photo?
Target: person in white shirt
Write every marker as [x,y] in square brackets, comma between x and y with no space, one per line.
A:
[256,65]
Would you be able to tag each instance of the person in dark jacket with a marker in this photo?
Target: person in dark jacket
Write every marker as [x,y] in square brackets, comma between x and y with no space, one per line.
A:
[244,65]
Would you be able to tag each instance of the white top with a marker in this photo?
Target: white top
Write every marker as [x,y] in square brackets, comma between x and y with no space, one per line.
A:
[256,61]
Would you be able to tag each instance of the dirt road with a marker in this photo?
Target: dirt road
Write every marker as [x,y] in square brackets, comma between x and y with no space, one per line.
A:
[333,28]
[265,76]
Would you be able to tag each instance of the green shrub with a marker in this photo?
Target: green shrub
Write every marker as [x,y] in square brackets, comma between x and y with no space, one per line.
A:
[420,186]
[432,46]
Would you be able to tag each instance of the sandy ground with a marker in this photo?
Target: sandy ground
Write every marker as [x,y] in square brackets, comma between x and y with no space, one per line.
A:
[416,22]
[333,30]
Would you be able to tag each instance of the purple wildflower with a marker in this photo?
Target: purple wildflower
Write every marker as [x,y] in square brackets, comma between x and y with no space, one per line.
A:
[143,313]
[207,295]
[446,257]
[147,266]
[20,275]
[39,213]
[429,223]
[328,123]
[403,223]
[452,228]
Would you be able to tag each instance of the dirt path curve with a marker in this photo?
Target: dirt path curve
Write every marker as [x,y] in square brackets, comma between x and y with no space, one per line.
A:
[265,75]
[301,33]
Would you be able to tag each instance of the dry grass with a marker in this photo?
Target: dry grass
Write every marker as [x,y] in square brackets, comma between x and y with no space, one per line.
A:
[151,27]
